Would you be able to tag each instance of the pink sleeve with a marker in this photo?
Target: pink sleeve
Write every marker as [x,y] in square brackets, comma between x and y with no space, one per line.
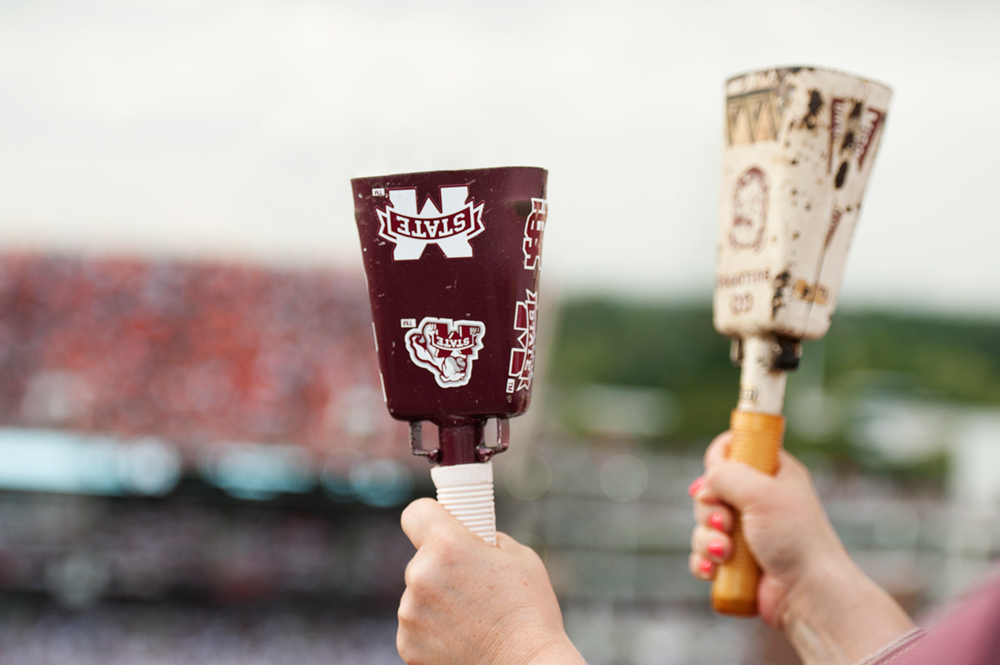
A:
[893,652]
[968,635]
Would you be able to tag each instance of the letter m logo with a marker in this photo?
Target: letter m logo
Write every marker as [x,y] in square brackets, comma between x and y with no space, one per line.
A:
[533,228]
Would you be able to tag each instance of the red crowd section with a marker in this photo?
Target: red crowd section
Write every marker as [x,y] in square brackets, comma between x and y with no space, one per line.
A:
[193,353]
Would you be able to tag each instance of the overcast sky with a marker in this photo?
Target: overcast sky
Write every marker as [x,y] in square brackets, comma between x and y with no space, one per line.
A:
[231,128]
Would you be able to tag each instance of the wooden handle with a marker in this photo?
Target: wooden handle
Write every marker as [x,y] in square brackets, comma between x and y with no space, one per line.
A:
[756,441]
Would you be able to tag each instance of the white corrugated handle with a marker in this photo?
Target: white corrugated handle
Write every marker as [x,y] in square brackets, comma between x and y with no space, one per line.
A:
[466,491]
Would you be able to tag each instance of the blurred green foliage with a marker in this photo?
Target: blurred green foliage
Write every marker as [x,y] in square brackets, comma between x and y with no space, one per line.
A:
[948,359]
[675,348]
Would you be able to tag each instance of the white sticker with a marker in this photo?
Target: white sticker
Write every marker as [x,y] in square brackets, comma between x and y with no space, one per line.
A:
[411,229]
[522,356]
[533,228]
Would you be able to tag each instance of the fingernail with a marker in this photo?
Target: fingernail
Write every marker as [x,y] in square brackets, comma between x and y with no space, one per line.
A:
[696,485]
[715,521]
[717,549]
[706,566]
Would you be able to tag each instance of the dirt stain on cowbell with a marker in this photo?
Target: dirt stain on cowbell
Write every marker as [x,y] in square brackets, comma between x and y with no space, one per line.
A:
[838,182]
[522,208]
[815,104]
[778,300]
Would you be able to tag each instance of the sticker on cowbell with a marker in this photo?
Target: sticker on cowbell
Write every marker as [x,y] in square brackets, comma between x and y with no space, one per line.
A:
[534,226]
[852,133]
[451,227]
[522,359]
[749,211]
[446,348]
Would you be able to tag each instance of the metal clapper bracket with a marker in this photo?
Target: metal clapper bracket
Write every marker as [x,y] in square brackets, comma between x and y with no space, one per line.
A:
[417,443]
[484,453]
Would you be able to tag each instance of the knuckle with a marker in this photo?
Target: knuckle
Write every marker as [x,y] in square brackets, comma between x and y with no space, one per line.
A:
[418,578]
[407,614]
[404,648]
[712,475]
[408,572]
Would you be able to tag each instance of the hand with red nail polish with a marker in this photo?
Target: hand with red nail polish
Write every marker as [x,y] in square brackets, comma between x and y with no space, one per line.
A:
[809,587]
[717,521]
[696,485]
[706,568]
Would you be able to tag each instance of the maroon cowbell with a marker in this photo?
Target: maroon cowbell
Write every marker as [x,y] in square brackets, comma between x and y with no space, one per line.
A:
[452,260]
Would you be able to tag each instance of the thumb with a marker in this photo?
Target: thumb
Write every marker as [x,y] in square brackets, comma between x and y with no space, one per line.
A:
[736,484]
[425,519]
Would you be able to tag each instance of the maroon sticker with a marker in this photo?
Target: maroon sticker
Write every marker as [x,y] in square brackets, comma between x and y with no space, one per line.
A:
[750,201]
[852,129]
[838,212]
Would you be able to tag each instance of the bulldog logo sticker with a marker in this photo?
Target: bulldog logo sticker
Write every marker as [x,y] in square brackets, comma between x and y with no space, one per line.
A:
[749,211]
[446,348]
[451,227]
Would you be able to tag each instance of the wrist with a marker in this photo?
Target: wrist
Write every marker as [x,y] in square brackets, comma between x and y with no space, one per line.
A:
[558,652]
[837,614]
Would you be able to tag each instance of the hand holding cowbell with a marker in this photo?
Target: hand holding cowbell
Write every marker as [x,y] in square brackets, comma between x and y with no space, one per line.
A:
[800,144]
[452,260]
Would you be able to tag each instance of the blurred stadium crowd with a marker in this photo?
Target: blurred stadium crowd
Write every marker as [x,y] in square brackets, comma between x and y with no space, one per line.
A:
[200,546]
[126,635]
[194,455]
[193,353]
